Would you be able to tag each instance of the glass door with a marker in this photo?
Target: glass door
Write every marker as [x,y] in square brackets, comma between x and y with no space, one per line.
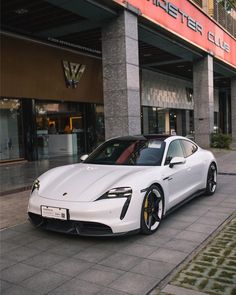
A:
[11,147]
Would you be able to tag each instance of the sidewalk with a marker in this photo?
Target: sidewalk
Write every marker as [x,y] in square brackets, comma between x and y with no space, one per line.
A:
[39,262]
[20,176]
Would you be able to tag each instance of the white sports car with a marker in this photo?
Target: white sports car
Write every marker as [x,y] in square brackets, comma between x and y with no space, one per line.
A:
[127,184]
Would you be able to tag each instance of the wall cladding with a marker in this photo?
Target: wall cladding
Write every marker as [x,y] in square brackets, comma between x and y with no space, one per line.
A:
[158,90]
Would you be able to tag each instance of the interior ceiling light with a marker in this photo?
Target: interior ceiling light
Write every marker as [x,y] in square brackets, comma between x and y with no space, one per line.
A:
[180,66]
[21,11]
[147,54]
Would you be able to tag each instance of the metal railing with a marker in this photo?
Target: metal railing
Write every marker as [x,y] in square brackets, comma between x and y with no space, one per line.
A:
[224,17]
[222,11]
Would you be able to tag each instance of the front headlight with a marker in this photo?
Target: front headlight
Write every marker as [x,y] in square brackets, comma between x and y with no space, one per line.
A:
[118,192]
[35,186]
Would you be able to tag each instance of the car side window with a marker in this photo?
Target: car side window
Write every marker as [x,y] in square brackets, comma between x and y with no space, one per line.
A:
[189,147]
[174,150]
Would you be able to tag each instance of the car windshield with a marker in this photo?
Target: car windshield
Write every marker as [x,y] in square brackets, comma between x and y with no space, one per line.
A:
[148,152]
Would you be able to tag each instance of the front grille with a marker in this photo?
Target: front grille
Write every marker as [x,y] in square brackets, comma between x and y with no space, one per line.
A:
[70,226]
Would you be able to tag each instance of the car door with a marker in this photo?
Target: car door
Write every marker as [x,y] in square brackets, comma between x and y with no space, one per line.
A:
[176,176]
[195,165]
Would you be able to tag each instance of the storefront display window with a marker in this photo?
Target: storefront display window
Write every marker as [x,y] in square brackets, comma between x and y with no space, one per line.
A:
[157,120]
[11,129]
[67,128]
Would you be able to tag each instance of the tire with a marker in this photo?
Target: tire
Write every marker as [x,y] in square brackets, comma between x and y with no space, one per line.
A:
[152,210]
[211,182]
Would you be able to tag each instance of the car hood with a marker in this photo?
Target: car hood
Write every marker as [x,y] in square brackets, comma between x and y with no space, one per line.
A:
[85,182]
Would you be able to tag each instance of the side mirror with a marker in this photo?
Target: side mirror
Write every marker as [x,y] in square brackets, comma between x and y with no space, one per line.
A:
[83,158]
[177,161]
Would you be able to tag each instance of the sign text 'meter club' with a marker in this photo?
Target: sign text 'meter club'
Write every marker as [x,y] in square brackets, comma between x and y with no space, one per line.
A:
[190,22]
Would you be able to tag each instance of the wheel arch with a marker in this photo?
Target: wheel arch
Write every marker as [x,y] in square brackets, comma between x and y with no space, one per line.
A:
[163,193]
[214,162]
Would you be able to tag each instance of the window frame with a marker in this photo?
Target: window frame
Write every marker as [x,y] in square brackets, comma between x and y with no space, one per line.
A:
[184,150]
[168,162]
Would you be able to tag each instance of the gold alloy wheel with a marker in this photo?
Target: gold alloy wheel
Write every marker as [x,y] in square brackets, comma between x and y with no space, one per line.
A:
[153,209]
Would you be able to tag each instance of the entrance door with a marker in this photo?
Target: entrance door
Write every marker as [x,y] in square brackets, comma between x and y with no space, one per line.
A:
[11,146]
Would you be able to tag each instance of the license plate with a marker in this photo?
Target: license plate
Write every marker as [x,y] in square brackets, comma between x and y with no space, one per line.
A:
[53,212]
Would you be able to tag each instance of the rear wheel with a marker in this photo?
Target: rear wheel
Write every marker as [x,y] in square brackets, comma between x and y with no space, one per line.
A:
[211,180]
[152,210]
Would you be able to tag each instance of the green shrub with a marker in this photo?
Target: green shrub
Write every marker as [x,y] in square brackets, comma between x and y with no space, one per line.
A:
[220,140]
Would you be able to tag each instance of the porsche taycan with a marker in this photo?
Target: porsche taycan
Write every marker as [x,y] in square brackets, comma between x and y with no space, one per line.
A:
[128,184]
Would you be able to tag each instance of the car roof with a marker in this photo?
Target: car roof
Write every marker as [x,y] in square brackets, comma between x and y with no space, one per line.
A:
[161,137]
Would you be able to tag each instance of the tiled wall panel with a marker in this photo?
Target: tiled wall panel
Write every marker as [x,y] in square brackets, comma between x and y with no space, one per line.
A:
[158,90]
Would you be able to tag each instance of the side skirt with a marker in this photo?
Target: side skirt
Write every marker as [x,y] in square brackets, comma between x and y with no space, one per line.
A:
[197,194]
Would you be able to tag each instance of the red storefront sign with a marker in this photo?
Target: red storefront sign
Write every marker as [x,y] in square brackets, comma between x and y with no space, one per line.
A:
[188,22]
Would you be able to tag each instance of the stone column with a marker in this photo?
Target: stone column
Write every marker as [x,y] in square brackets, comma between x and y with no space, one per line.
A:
[121,76]
[203,92]
[233,111]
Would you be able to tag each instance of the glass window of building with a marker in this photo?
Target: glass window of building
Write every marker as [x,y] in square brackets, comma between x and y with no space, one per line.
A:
[11,141]
[60,129]
[68,128]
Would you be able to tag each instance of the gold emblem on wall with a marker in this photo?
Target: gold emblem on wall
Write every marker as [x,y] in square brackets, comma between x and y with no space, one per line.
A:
[73,73]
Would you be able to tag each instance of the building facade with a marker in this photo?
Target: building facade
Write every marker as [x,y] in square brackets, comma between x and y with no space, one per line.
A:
[73,74]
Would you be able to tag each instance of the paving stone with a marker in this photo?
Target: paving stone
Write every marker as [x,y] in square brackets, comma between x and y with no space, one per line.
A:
[220,216]
[18,272]
[7,234]
[138,250]
[157,269]
[70,267]
[77,287]
[19,290]
[7,246]
[172,223]
[121,261]
[4,285]
[93,254]
[116,244]
[44,260]
[211,221]
[44,281]
[24,227]
[153,240]
[43,244]
[99,277]
[181,245]
[108,269]
[24,239]
[109,291]
[192,236]
[21,253]
[4,263]
[201,228]
[168,255]
[68,248]
[135,284]
[166,231]
[185,218]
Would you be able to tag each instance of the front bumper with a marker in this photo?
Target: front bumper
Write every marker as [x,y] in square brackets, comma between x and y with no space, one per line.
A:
[99,218]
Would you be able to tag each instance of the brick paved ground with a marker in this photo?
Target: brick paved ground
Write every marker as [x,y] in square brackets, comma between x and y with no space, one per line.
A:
[39,262]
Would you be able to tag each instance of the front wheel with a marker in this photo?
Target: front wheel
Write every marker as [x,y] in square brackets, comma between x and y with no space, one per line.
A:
[211,180]
[152,210]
